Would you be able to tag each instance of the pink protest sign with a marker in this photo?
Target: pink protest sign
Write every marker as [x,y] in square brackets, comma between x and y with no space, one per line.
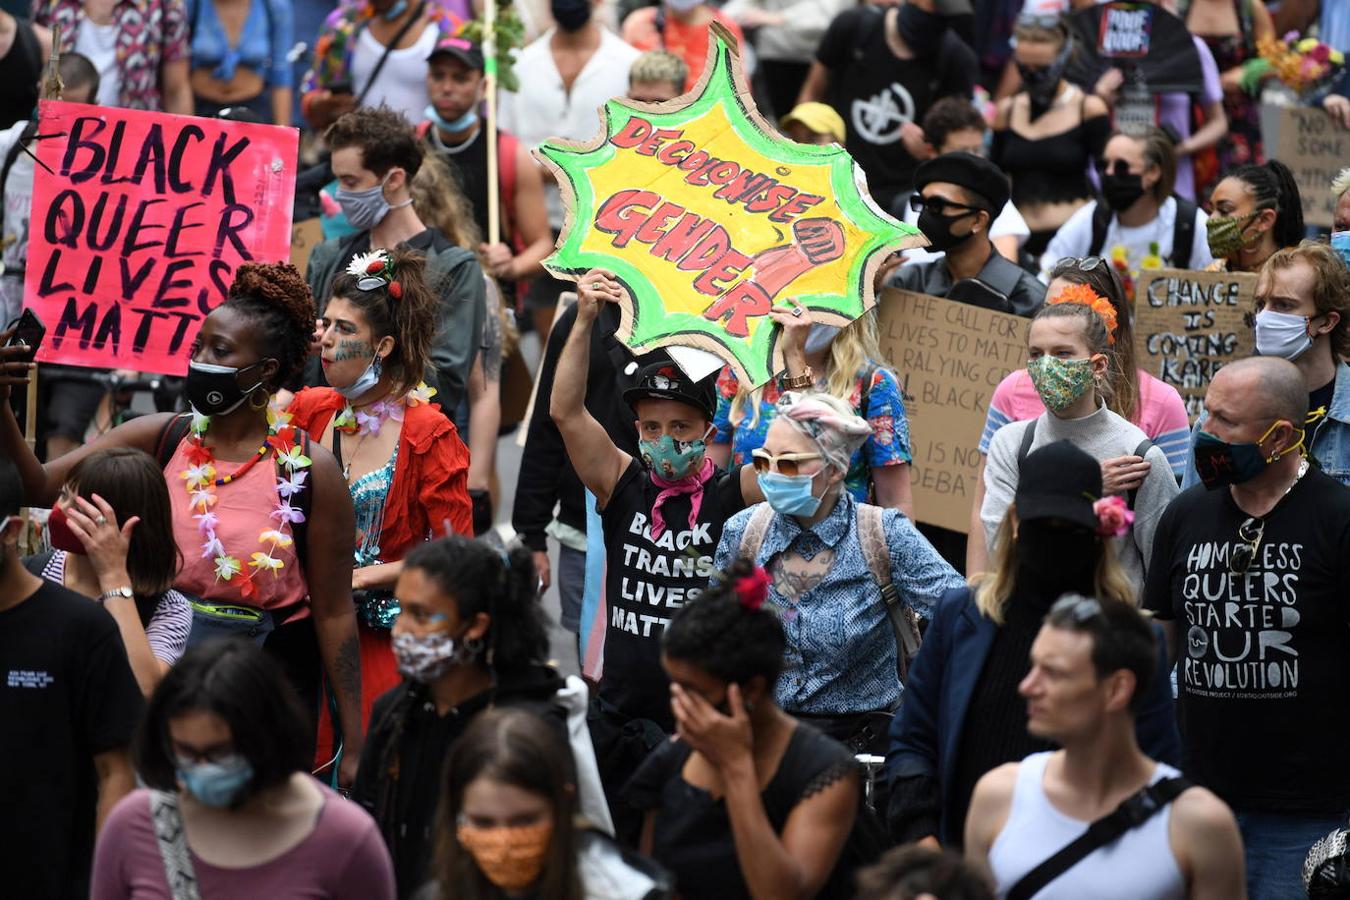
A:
[139,221]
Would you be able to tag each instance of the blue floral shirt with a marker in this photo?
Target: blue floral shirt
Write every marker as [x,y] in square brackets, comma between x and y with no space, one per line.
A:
[840,647]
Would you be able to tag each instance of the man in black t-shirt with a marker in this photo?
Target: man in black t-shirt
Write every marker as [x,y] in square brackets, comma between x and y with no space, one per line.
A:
[881,68]
[68,707]
[1252,577]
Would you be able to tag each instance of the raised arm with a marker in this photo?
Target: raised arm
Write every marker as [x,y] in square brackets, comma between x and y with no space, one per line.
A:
[596,459]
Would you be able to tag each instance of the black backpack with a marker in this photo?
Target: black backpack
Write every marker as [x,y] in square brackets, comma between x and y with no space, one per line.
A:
[1183,231]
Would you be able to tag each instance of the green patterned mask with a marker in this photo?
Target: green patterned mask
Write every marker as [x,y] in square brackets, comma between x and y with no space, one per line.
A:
[1060,381]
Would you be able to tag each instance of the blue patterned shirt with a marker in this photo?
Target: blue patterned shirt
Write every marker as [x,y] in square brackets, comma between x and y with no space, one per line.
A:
[840,647]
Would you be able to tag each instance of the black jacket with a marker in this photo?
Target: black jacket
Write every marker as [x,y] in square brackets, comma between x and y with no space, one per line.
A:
[1010,288]
[399,781]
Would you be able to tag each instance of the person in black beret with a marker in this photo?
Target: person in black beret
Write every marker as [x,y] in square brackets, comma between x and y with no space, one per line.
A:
[957,196]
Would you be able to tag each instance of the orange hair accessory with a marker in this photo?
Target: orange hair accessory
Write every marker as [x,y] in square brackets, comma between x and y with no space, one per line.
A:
[1083,295]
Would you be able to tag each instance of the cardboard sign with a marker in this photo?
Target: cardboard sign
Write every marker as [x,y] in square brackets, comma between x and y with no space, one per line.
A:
[1125,31]
[139,221]
[1188,324]
[1315,147]
[305,236]
[949,357]
[710,218]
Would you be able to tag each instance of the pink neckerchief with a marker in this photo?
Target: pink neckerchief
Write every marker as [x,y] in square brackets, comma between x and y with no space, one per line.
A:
[689,484]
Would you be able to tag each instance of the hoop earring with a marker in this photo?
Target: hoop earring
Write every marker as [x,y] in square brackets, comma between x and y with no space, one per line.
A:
[252,401]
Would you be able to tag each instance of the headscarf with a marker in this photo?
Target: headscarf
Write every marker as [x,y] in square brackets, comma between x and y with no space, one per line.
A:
[824,418]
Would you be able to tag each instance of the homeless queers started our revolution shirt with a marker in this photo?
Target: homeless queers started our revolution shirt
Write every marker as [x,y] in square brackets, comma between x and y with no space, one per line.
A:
[1263,658]
[647,579]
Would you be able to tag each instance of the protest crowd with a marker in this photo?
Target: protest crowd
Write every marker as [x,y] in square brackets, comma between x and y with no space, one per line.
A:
[362,534]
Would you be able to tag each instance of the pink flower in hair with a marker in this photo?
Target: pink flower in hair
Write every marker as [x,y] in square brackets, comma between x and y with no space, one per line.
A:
[1114,516]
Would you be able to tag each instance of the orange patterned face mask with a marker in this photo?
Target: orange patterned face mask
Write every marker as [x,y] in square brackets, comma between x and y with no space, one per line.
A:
[510,858]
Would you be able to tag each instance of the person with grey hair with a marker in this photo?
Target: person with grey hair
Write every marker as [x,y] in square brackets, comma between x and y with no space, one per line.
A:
[1249,575]
[834,567]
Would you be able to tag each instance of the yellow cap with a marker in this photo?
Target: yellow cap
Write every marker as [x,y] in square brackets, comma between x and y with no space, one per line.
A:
[819,117]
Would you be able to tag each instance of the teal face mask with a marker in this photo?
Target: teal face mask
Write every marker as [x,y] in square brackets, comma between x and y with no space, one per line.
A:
[670,459]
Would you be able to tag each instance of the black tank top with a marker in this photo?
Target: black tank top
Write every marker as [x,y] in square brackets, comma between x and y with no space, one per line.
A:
[20,68]
[468,162]
[1054,168]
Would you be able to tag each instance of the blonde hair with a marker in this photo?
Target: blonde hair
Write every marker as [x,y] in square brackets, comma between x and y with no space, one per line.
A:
[659,66]
[993,588]
[1341,184]
[439,202]
[851,350]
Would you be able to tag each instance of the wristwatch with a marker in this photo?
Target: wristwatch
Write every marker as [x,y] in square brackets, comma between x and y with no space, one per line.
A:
[802,382]
[116,592]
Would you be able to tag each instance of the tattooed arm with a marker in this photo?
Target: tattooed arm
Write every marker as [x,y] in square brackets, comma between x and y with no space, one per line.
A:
[332,530]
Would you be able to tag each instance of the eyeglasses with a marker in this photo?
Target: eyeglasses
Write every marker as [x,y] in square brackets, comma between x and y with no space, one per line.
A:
[1250,533]
[788,464]
[939,205]
[1079,608]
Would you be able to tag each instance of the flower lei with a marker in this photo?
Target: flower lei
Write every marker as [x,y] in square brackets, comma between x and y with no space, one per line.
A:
[372,418]
[201,482]
[1082,295]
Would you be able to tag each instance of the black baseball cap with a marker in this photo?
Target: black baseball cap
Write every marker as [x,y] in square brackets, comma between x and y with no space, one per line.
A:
[666,381]
[1059,481]
[462,49]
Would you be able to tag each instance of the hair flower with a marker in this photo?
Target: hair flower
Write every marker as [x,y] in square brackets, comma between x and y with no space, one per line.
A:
[1082,295]
[753,589]
[1114,516]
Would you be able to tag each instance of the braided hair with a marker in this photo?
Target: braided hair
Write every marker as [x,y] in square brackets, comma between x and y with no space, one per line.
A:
[276,297]
[1272,186]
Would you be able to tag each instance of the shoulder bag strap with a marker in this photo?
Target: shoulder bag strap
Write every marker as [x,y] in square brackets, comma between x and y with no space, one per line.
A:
[1133,812]
[1101,223]
[170,436]
[904,623]
[755,530]
[389,48]
[1028,438]
[167,820]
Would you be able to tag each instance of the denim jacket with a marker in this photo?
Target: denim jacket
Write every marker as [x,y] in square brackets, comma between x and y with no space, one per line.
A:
[1328,439]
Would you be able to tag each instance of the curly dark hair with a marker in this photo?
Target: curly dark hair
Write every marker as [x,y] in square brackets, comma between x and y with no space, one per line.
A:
[410,318]
[276,296]
[384,137]
[717,634]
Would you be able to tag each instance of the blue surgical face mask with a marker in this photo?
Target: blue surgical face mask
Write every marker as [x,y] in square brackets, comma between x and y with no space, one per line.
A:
[671,459]
[452,127]
[790,495]
[367,380]
[1340,242]
[218,783]
[393,12]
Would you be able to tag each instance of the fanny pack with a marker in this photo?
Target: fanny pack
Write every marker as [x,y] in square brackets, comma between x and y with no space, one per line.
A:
[211,620]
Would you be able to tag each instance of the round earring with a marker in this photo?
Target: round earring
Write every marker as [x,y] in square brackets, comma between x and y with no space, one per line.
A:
[258,395]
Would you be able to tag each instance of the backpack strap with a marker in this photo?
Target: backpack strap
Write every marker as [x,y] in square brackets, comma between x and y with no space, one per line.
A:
[1183,233]
[1101,221]
[1028,438]
[753,537]
[1141,451]
[904,623]
[170,436]
[1134,811]
[167,820]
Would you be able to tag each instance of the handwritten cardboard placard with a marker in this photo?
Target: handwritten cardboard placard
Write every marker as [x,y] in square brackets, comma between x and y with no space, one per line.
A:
[949,357]
[139,220]
[305,236]
[1315,147]
[710,218]
[1188,324]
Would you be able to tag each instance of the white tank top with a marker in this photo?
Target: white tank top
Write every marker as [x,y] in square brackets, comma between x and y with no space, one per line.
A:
[1139,865]
[402,83]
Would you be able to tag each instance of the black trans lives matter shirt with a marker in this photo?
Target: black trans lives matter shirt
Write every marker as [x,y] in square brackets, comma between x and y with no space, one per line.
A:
[1263,658]
[647,580]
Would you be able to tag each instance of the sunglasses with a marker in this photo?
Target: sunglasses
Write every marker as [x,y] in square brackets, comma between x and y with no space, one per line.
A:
[939,205]
[1114,167]
[788,464]
[1081,609]
[1081,263]
[1250,533]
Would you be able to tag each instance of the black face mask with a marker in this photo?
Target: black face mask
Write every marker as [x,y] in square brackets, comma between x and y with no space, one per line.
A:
[921,30]
[938,228]
[571,15]
[215,390]
[1041,85]
[1055,559]
[1120,191]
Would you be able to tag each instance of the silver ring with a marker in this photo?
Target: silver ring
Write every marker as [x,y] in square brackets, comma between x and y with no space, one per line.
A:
[797,312]
[101,520]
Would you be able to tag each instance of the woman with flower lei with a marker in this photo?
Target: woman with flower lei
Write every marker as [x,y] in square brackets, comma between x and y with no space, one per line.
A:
[405,467]
[260,514]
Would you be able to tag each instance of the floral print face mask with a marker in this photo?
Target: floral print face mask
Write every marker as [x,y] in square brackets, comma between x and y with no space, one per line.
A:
[1060,382]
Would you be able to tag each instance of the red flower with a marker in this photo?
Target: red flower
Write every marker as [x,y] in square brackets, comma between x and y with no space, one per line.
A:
[247,590]
[198,454]
[375,266]
[283,440]
[753,589]
[395,290]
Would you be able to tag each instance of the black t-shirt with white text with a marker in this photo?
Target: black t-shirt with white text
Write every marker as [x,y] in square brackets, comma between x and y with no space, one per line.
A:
[647,580]
[68,695]
[1263,657]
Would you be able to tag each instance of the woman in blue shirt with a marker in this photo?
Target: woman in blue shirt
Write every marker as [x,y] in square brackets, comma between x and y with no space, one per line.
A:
[239,57]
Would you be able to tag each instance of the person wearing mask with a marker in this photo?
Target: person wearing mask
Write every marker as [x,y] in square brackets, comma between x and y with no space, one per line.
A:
[954,125]
[1092,665]
[571,70]
[375,155]
[229,808]
[1133,394]
[681,27]
[69,704]
[139,49]
[1068,360]
[1257,210]
[112,541]
[402,459]
[958,196]
[785,35]
[509,824]
[881,66]
[452,128]
[371,54]
[1303,315]
[1047,135]
[657,76]
[1250,574]
[747,801]
[273,560]
[1138,224]
[470,635]
[661,516]
[835,568]
[252,70]
[962,716]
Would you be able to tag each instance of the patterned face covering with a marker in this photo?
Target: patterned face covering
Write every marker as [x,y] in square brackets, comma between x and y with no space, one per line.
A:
[424,658]
[510,858]
[1060,382]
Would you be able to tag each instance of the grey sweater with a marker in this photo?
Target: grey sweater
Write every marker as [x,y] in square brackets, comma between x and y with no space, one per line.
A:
[1103,435]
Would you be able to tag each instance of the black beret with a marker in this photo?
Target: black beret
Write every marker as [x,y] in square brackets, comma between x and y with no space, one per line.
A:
[974,173]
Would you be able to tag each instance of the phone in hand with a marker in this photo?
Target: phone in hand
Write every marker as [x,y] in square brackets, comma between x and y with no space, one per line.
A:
[28,332]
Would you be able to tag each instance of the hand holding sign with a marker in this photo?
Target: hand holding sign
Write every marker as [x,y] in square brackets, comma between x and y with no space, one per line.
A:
[595,288]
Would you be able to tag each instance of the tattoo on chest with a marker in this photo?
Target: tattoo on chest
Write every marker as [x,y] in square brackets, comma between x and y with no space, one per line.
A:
[793,576]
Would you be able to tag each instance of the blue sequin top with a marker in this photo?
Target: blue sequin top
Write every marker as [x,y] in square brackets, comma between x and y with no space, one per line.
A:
[376,608]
